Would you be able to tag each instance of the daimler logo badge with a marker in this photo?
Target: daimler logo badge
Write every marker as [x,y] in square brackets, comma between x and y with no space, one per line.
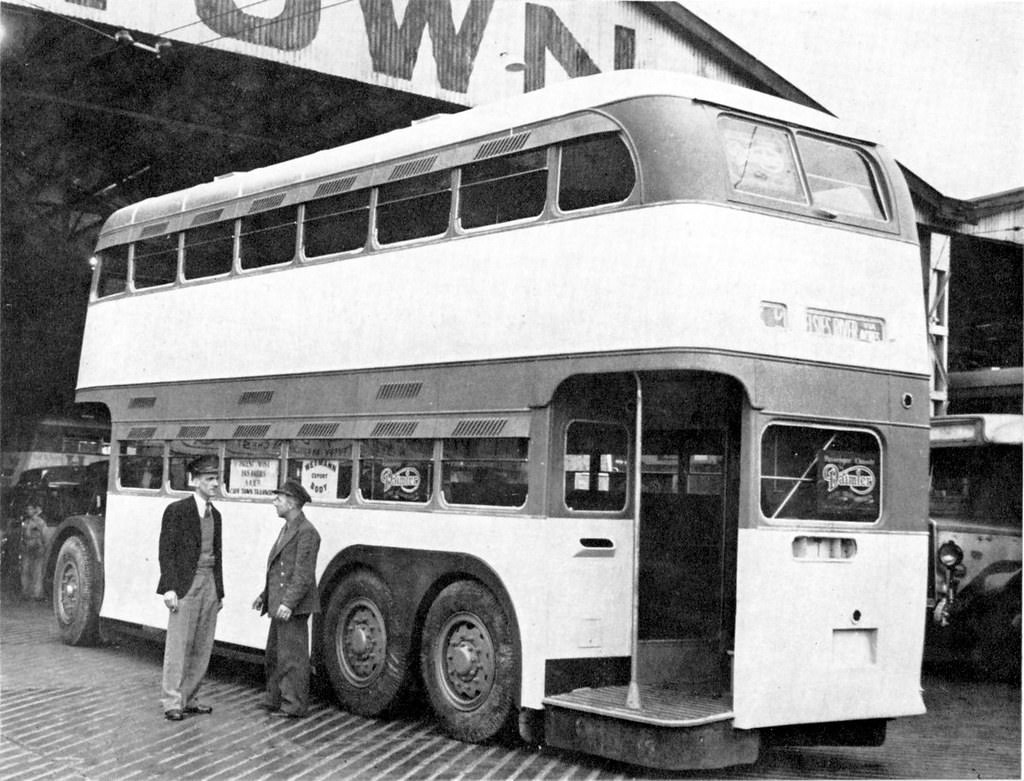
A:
[858,478]
[406,479]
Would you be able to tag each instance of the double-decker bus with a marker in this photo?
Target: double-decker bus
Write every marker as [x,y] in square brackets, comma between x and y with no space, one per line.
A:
[612,400]
[78,437]
[975,571]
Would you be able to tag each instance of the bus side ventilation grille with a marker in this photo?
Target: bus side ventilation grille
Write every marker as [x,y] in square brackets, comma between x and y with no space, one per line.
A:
[399,390]
[394,428]
[412,168]
[270,202]
[207,217]
[317,430]
[141,432]
[251,431]
[256,397]
[154,230]
[142,402]
[502,146]
[824,548]
[193,432]
[334,187]
[480,427]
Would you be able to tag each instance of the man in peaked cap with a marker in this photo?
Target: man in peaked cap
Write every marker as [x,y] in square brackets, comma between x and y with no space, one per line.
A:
[289,596]
[192,585]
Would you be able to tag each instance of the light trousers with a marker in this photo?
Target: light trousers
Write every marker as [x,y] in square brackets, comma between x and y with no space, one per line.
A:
[190,633]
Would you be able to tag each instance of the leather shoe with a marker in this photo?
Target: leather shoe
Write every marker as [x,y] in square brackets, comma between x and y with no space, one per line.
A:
[197,708]
[174,715]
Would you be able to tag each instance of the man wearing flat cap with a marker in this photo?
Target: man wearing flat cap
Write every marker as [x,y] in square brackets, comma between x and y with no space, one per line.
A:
[289,596]
[192,585]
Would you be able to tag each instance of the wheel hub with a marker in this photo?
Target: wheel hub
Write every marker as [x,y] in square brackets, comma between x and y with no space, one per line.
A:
[362,643]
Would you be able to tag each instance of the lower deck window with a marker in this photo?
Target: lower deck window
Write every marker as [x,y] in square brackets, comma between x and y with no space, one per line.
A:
[811,473]
[182,453]
[487,471]
[396,470]
[251,467]
[322,466]
[595,465]
[140,464]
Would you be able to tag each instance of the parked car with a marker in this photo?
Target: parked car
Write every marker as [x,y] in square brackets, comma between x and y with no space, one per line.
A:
[61,491]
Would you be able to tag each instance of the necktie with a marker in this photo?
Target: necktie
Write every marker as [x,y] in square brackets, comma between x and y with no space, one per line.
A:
[208,515]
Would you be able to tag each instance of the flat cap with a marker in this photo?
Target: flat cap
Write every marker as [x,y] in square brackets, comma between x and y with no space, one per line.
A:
[204,465]
[294,489]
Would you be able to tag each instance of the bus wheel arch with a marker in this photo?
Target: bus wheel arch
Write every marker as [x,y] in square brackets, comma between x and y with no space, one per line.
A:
[366,655]
[77,591]
[469,661]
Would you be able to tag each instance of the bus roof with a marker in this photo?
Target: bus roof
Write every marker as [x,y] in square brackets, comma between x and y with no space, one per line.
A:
[986,429]
[552,102]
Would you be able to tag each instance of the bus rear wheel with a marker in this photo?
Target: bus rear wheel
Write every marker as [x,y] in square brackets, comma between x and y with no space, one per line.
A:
[76,591]
[468,661]
[366,662]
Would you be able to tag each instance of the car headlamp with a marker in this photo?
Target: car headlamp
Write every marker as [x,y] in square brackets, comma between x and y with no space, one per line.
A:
[950,554]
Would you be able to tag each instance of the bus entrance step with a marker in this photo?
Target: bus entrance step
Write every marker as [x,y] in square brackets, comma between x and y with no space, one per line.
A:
[672,730]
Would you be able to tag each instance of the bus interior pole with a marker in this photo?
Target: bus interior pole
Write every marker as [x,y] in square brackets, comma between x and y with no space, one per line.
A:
[633,694]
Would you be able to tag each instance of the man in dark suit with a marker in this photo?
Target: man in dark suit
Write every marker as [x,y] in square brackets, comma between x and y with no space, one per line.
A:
[289,597]
[192,585]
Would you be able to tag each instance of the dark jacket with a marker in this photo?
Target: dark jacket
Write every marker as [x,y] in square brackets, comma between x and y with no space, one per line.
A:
[291,570]
[181,538]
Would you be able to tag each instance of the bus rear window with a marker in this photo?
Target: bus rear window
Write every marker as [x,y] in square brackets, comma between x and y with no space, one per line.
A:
[594,171]
[810,473]
[486,471]
[761,160]
[113,271]
[841,178]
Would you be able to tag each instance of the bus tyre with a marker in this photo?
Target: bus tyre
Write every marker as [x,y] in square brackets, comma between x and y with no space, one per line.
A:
[366,662]
[75,592]
[468,661]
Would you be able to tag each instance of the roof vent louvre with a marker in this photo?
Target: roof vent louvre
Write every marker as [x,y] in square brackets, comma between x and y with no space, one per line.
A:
[251,431]
[394,428]
[154,230]
[399,390]
[317,430]
[141,432]
[142,402]
[334,187]
[270,202]
[256,397]
[193,432]
[412,168]
[207,217]
[479,427]
[502,146]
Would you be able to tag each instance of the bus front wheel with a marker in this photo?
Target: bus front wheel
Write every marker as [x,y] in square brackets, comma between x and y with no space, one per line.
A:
[75,592]
[468,661]
[367,666]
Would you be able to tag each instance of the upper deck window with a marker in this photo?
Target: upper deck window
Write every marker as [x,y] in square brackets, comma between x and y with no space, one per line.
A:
[761,160]
[596,170]
[414,208]
[268,238]
[826,474]
[336,224]
[503,189]
[113,271]
[155,261]
[209,250]
[841,178]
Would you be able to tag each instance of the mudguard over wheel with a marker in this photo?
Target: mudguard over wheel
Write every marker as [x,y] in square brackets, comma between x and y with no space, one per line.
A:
[366,657]
[469,662]
[76,592]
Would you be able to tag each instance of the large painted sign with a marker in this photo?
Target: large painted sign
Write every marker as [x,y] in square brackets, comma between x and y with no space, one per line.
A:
[462,51]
